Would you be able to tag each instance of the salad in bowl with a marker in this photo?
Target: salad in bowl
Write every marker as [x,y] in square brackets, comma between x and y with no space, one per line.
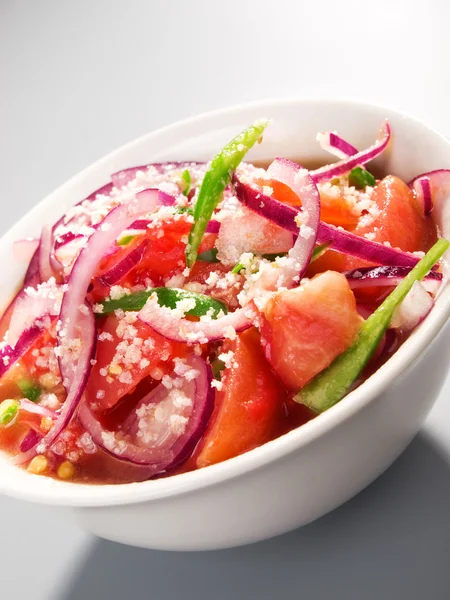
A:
[188,312]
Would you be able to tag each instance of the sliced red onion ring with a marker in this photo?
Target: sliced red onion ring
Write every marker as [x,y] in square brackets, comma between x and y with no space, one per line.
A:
[37,409]
[388,276]
[75,366]
[166,425]
[24,250]
[433,188]
[299,256]
[361,158]
[413,310]
[125,265]
[166,322]
[331,142]
[11,354]
[32,274]
[341,240]
[164,199]
[48,265]
[422,188]
[77,333]
[122,178]
[31,439]
[28,310]
[105,190]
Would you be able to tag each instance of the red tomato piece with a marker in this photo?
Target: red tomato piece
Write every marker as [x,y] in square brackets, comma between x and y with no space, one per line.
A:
[249,408]
[306,328]
[123,360]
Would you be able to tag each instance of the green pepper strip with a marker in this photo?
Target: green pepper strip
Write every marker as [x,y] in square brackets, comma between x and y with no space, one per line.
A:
[166,297]
[216,180]
[126,240]
[29,390]
[331,385]
[360,178]
[8,411]
[185,182]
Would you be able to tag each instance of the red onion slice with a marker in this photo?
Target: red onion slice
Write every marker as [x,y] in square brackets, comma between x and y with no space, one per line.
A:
[32,274]
[48,265]
[331,142]
[389,276]
[125,265]
[124,177]
[11,354]
[361,158]
[165,426]
[37,409]
[29,309]
[75,371]
[166,322]
[213,226]
[299,256]
[341,240]
[422,188]
[31,439]
[413,310]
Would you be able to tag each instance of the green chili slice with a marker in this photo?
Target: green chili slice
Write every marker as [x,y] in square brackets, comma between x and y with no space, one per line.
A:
[332,384]
[216,180]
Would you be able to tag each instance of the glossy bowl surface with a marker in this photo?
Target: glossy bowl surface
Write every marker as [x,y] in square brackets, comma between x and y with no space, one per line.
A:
[307,472]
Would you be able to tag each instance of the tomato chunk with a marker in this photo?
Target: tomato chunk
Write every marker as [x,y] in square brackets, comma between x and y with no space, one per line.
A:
[306,328]
[126,354]
[249,409]
[398,222]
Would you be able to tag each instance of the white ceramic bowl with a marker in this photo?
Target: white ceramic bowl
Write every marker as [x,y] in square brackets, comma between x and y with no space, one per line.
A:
[307,472]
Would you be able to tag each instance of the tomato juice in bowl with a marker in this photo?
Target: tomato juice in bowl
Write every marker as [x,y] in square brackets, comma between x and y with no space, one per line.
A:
[343,442]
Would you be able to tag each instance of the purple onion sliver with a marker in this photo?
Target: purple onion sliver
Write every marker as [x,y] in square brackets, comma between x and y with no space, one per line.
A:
[213,226]
[361,158]
[31,439]
[331,142]
[124,266]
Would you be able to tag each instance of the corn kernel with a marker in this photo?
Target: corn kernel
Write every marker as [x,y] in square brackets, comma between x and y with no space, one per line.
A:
[115,370]
[38,465]
[66,470]
[46,424]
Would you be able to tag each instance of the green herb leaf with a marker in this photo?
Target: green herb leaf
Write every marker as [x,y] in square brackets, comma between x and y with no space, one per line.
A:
[8,411]
[237,268]
[185,182]
[166,297]
[332,384]
[360,178]
[184,209]
[209,256]
[29,390]
[216,180]
[217,367]
[126,240]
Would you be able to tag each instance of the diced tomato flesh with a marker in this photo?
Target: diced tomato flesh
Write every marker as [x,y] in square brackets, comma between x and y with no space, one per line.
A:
[250,409]
[306,328]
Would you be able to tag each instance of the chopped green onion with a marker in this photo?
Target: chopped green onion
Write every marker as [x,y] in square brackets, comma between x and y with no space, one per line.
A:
[360,178]
[29,390]
[8,411]
[209,256]
[166,297]
[185,182]
[126,240]
[331,385]
[216,180]
[184,209]
[237,268]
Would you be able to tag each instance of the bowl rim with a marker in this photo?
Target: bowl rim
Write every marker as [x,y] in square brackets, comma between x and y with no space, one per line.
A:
[94,495]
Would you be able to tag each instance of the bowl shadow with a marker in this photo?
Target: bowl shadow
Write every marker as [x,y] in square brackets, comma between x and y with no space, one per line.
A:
[392,541]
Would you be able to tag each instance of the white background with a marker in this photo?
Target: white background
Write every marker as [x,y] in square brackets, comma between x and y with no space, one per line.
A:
[78,79]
